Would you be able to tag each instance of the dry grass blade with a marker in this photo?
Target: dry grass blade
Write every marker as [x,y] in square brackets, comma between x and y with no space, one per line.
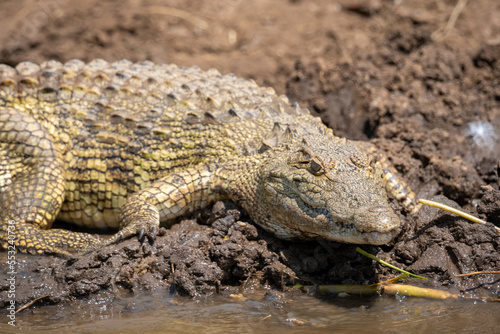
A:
[415,291]
[182,14]
[455,211]
[392,289]
[373,257]
[384,288]
[442,33]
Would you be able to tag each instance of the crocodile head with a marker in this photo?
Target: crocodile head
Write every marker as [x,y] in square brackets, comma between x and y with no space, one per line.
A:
[327,190]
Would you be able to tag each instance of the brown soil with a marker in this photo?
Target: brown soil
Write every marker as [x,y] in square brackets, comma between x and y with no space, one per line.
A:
[369,68]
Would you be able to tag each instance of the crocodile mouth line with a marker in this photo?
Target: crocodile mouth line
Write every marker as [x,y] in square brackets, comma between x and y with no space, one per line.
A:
[342,231]
[315,212]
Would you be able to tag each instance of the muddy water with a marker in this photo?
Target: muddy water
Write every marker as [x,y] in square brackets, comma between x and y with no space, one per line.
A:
[261,313]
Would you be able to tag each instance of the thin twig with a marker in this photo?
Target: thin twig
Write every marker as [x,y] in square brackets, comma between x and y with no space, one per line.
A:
[480,273]
[25,306]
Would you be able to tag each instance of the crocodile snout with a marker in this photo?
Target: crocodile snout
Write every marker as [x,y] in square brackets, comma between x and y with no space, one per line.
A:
[378,219]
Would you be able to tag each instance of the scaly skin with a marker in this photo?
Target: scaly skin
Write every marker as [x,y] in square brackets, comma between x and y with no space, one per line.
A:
[128,146]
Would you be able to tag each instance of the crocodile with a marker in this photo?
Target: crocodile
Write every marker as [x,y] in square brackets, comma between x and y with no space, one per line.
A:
[129,146]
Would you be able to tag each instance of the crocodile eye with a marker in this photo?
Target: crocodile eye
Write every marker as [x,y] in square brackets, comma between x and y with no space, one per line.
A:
[316,167]
[306,159]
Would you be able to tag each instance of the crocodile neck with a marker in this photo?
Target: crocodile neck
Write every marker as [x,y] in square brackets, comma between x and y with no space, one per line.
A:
[239,181]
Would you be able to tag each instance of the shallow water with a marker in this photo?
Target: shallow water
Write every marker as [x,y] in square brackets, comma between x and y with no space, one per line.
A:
[261,313]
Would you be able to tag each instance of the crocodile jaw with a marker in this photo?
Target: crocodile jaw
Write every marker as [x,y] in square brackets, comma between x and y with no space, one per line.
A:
[293,218]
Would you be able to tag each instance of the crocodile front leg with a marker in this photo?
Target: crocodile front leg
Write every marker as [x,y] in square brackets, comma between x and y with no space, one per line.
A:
[166,199]
[32,188]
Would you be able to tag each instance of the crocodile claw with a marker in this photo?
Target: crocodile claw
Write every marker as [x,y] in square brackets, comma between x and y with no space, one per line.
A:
[151,234]
[141,234]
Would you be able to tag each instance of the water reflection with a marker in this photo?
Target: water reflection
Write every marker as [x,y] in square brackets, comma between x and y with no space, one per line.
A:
[262,313]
